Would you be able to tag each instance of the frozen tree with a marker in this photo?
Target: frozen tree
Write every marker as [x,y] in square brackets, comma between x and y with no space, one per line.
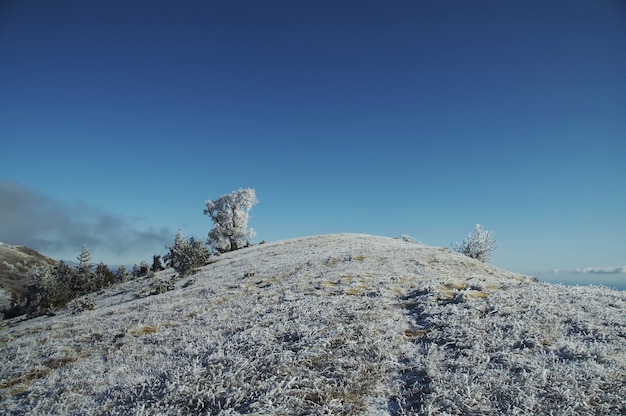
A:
[5,301]
[103,277]
[64,283]
[84,260]
[479,244]
[49,288]
[141,270]
[157,266]
[122,275]
[85,277]
[230,218]
[43,291]
[186,255]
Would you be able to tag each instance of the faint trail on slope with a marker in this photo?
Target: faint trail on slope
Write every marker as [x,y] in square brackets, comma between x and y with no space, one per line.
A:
[341,324]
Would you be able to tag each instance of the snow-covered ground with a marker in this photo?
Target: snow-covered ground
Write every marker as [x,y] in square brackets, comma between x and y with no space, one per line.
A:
[335,324]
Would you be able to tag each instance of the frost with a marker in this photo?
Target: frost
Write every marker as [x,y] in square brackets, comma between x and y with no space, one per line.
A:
[229,214]
[479,244]
[5,300]
[342,324]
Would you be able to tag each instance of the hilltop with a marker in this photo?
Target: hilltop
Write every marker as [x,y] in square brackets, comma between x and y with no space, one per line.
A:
[334,324]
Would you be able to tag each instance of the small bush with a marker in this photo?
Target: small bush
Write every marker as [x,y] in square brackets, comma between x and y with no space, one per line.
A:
[157,266]
[103,277]
[189,282]
[141,270]
[158,286]
[408,238]
[49,288]
[122,275]
[5,301]
[478,245]
[187,255]
[83,304]
[161,286]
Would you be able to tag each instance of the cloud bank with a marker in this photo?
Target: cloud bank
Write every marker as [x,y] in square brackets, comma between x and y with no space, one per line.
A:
[591,270]
[59,229]
[601,270]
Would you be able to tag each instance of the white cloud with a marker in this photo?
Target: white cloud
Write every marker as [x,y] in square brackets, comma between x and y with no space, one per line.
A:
[601,270]
[59,229]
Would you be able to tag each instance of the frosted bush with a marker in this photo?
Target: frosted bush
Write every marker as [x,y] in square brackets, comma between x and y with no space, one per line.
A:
[157,286]
[122,275]
[187,255]
[141,270]
[162,285]
[408,238]
[86,303]
[5,301]
[478,245]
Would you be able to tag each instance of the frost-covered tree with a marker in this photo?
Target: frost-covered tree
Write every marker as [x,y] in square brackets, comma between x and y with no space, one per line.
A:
[44,291]
[50,288]
[186,255]
[84,260]
[230,218]
[122,275]
[103,277]
[85,276]
[65,283]
[479,244]
[157,266]
[141,270]
[5,301]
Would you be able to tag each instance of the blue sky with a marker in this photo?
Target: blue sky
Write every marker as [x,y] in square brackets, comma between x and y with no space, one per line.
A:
[118,119]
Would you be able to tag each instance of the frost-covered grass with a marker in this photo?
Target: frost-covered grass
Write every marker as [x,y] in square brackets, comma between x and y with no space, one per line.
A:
[339,324]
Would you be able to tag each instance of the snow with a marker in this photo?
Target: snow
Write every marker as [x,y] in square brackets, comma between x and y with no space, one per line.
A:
[334,324]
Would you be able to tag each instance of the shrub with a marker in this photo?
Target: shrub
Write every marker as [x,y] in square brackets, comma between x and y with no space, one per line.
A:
[158,286]
[5,301]
[478,245]
[157,266]
[103,277]
[50,288]
[122,275]
[186,255]
[161,286]
[408,238]
[86,303]
[141,270]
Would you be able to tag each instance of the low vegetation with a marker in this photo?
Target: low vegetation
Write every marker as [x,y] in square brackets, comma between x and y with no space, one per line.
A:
[185,256]
[341,324]
[479,244]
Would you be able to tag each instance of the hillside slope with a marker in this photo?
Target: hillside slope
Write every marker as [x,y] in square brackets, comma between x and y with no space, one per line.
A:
[335,324]
[15,264]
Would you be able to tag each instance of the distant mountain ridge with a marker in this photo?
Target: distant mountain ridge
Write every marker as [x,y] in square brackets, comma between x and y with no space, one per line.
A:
[16,262]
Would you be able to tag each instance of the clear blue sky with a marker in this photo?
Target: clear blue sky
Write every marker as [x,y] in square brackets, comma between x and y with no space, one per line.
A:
[119,118]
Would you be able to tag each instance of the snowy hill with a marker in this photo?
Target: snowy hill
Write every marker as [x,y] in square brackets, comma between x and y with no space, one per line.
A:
[336,324]
[15,264]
